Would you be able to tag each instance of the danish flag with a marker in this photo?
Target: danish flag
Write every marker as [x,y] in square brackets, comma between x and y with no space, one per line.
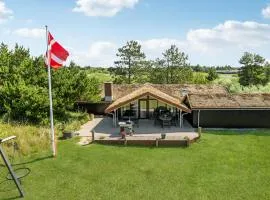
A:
[56,55]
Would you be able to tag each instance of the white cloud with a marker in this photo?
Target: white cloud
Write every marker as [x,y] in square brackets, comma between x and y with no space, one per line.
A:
[153,48]
[220,45]
[266,12]
[232,34]
[30,33]
[101,53]
[6,31]
[5,13]
[105,8]
[162,43]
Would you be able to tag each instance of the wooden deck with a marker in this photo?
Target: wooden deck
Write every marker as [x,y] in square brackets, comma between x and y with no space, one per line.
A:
[169,141]
[146,134]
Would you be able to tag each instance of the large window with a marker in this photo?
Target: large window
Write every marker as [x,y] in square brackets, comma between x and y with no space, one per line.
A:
[144,108]
[162,104]
[153,104]
[130,109]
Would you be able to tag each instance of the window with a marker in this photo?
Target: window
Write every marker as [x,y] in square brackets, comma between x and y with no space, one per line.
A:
[153,104]
[162,104]
[130,109]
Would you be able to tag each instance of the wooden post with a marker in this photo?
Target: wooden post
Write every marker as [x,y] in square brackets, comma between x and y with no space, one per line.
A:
[93,135]
[116,117]
[157,139]
[200,132]
[187,141]
[181,119]
[199,118]
[114,114]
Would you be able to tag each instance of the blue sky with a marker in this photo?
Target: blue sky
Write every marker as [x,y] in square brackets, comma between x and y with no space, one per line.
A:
[211,32]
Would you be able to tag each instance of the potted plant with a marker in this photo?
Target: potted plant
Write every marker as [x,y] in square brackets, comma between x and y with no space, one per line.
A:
[163,135]
[68,132]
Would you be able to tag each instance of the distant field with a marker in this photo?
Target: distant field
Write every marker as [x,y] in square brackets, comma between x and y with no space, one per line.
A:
[231,82]
[227,76]
[222,165]
[102,77]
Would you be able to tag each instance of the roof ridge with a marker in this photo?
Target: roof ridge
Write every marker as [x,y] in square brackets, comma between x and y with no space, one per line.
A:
[147,90]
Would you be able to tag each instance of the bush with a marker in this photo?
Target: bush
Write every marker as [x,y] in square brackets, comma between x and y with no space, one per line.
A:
[212,74]
[199,78]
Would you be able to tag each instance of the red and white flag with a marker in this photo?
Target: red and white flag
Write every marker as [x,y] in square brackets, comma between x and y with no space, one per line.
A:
[56,54]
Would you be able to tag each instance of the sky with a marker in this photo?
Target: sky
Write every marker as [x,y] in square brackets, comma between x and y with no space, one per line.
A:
[211,32]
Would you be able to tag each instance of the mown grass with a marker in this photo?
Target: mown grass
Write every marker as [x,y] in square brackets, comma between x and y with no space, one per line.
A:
[222,165]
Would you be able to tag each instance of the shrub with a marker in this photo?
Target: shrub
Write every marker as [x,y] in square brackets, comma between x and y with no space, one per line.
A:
[199,78]
[212,74]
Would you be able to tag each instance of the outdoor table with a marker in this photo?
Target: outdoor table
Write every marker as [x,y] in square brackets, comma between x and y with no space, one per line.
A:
[133,119]
[165,120]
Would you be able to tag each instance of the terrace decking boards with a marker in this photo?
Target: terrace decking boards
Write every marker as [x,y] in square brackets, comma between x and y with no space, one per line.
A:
[148,141]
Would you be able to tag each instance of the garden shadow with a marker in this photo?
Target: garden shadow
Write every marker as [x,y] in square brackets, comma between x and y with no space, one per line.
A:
[33,161]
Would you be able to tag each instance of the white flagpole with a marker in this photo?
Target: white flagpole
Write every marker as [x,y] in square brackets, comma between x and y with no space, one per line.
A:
[50,95]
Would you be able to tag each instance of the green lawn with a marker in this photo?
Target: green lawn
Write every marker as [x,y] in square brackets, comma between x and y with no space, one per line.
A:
[222,165]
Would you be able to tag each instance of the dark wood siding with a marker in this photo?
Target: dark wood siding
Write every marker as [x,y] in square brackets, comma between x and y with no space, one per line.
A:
[232,118]
[94,108]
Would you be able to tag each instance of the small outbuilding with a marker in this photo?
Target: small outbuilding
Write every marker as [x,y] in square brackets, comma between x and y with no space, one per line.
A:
[230,111]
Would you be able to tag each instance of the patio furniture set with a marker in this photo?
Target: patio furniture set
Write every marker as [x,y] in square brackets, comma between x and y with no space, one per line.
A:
[164,117]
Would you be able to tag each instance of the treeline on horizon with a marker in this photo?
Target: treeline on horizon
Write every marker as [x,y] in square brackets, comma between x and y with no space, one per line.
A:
[173,67]
[195,68]
[24,84]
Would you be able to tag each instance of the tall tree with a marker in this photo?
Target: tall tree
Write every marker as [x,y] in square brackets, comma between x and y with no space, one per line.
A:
[5,59]
[158,72]
[24,87]
[252,72]
[130,58]
[177,67]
